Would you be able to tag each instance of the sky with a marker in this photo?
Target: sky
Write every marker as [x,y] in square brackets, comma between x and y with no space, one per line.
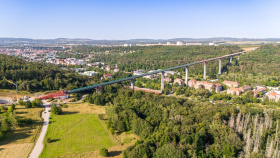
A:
[139,19]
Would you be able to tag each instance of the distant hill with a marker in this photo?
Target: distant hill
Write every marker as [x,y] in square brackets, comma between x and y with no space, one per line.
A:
[86,41]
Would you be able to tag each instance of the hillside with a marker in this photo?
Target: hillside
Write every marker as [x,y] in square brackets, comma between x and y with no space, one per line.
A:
[32,76]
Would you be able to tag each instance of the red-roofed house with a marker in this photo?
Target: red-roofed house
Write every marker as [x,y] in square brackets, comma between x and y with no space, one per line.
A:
[274,95]
[257,91]
[205,85]
[107,75]
[107,68]
[116,70]
[218,87]
[245,88]
[231,84]
[234,91]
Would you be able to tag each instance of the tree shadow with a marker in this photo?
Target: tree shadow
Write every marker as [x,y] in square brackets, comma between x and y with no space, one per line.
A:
[69,112]
[114,153]
[54,140]
[22,112]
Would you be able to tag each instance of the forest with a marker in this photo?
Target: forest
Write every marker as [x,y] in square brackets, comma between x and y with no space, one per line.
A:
[32,76]
[177,127]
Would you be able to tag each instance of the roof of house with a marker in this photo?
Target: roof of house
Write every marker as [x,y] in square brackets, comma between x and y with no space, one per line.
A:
[273,93]
[105,75]
[234,89]
[231,82]
[259,90]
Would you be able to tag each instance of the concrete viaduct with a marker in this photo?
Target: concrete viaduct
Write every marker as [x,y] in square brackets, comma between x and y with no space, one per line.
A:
[186,66]
[132,78]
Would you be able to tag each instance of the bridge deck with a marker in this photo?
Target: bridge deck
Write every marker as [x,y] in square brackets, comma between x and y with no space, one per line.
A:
[146,74]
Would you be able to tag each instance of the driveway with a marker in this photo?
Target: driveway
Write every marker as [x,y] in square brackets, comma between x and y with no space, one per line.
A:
[39,144]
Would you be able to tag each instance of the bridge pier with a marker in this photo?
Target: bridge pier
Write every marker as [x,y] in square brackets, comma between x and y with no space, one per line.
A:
[238,56]
[187,74]
[98,90]
[132,85]
[230,59]
[204,75]
[162,82]
[220,66]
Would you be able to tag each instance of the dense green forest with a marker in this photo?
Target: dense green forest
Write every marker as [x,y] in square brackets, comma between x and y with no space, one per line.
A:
[158,57]
[260,66]
[33,76]
[176,127]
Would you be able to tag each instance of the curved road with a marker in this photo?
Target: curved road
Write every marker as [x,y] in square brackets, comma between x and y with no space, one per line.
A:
[39,144]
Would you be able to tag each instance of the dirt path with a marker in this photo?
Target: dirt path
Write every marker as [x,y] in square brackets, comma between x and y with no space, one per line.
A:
[39,144]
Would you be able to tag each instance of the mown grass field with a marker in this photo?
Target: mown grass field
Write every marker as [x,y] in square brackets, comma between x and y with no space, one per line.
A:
[20,142]
[74,134]
[79,133]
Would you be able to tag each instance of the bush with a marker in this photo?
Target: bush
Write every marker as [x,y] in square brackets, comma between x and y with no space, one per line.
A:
[63,105]
[100,116]
[28,104]
[13,106]
[103,152]
[48,140]
[20,102]
[56,110]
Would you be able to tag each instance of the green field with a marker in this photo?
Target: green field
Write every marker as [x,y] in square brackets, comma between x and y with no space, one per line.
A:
[75,133]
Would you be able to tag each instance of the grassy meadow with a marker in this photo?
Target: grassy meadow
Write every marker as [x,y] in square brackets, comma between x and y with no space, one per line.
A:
[20,142]
[75,133]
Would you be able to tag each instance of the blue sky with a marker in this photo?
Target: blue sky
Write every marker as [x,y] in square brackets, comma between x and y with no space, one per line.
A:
[155,19]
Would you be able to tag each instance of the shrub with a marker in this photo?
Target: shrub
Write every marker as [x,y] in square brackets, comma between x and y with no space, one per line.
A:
[48,140]
[20,102]
[63,105]
[28,104]
[56,110]
[103,152]
[13,106]
[100,116]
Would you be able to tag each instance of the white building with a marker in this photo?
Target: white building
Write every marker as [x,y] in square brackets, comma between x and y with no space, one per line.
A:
[166,73]
[193,44]
[138,72]
[88,73]
[179,43]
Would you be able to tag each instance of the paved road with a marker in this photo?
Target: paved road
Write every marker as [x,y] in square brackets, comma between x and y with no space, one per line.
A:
[39,144]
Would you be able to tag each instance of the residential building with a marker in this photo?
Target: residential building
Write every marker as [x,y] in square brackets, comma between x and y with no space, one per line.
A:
[166,79]
[116,70]
[107,68]
[273,88]
[204,84]
[166,73]
[88,73]
[149,76]
[193,44]
[273,95]
[231,84]
[234,91]
[179,81]
[138,72]
[107,75]
[179,43]
[256,91]
[245,88]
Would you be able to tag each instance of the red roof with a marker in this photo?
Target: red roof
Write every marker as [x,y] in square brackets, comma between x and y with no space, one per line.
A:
[105,75]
